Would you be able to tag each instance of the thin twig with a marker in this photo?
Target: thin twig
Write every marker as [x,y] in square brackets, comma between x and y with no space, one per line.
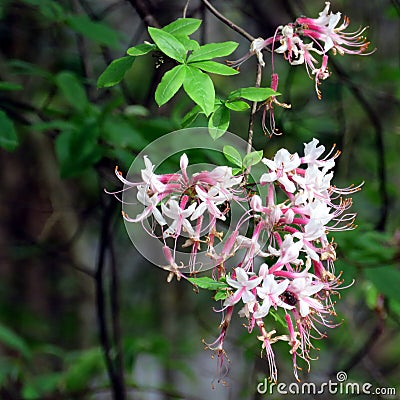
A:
[203,31]
[143,9]
[185,9]
[85,59]
[253,112]
[105,340]
[227,21]
[115,315]
[110,8]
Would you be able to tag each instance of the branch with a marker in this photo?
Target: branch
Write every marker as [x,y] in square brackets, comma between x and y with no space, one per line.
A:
[110,8]
[185,9]
[116,381]
[253,111]
[143,9]
[227,21]
[115,315]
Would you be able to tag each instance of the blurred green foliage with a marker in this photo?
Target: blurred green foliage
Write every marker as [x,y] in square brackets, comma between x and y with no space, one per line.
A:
[60,139]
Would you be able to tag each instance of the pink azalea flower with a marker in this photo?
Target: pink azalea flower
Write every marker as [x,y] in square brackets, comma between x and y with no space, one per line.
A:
[269,291]
[325,29]
[150,178]
[244,285]
[303,289]
[282,164]
[315,184]
[179,218]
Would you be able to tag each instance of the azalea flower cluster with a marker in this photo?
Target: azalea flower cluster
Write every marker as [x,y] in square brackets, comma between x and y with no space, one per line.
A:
[185,207]
[283,270]
[302,41]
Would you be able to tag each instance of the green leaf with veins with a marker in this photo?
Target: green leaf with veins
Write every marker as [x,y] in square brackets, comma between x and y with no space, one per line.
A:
[221,295]
[168,44]
[236,171]
[252,158]
[170,84]
[200,88]
[278,318]
[232,155]
[237,105]
[208,283]
[215,67]
[115,72]
[141,49]
[212,50]
[253,94]
[219,122]
[191,116]
[182,26]
[188,44]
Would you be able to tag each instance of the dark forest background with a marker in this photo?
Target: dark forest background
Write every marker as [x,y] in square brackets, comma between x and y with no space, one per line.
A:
[82,315]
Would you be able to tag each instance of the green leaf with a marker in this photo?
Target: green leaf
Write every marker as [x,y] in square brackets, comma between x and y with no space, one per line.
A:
[219,122]
[115,72]
[212,50]
[371,295]
[237,105]
[168,44]
[136,110]
[141,49]
[41,386]
[14,342]
[371,248]
[182,26]
[170,84]
[236,171]
[253,93]
[188,44]
[208,283]
[214,67]
[232,155]
[386,279]
[53,125]
[78,149]
[84,367]
[72,89]
[96,31]
[190,116]
[8,136]
[221,295]
[278,318]
[52,11]
[200,88]
[10,86]
[252,158]
[25,68]
[119,131]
